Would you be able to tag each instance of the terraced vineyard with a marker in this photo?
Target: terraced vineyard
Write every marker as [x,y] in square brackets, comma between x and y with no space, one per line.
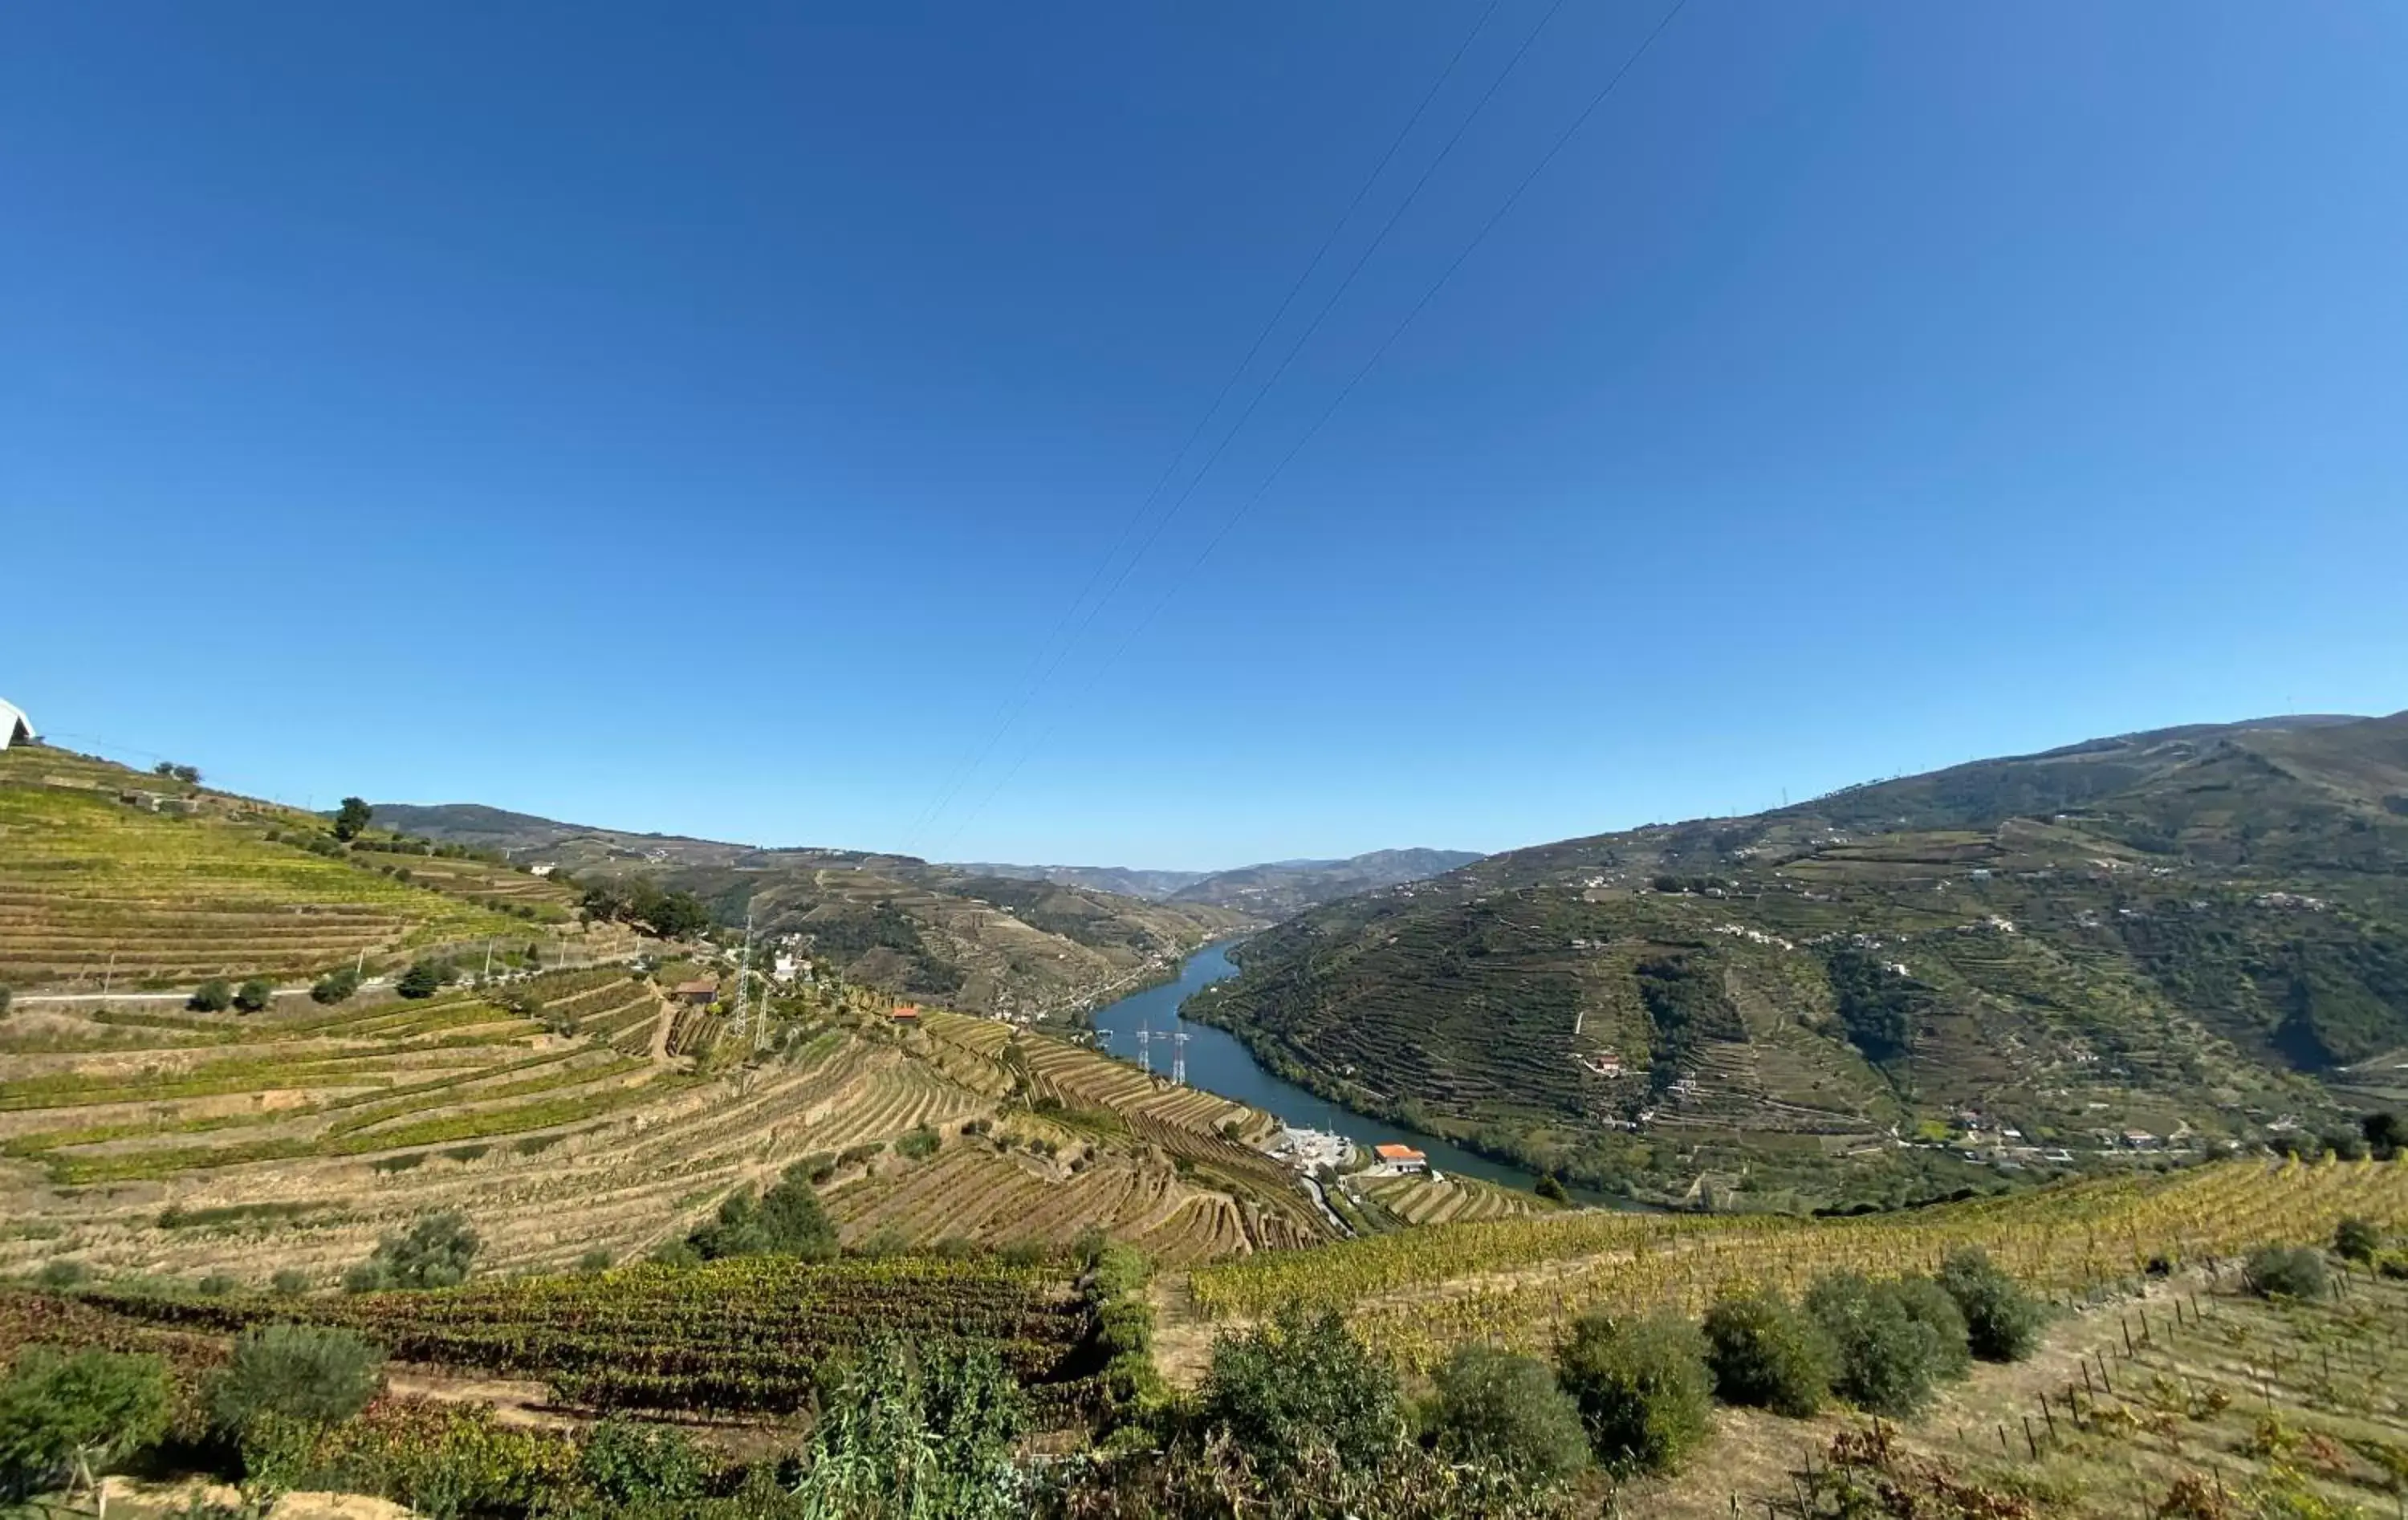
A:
[1519,1281]
[568,1122]
[95,881]
[1450,1200]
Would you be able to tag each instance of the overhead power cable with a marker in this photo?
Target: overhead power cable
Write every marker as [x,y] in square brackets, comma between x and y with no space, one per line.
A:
[1562,141]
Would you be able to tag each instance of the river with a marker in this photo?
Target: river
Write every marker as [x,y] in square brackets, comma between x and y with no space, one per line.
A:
[1218,1063]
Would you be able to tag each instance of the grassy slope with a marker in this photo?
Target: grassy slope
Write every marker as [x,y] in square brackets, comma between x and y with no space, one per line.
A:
[2153,978]
[174,897]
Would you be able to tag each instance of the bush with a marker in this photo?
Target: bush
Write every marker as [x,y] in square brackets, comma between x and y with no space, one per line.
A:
[2284,1272]
[1889,1356]
[2357,1240]
[1641,1387]
[787,1221]
[1299,1386]
[2002,1322]
[335,987]
[254,995]
[290,1280]
[1765,1355]
[627,1462]
[215,995]
[1930,1305]
[309,1374]
[61,1274]
[1507,1410]
[596,1260]
[216,1285]
[919,1145]
[66,1417]
[901,1437]
[424,979]
[435,1254]
[1552,1189]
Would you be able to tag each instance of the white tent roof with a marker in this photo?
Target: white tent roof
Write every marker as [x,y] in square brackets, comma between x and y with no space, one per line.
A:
[12,723]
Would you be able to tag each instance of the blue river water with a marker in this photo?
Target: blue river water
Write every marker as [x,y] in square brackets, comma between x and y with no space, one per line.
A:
[1218,1063]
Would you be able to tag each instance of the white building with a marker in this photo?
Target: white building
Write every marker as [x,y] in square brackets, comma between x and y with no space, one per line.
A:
[15,727]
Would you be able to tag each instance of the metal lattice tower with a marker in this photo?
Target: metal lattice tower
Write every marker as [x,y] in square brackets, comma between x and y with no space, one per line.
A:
[743,974]
[1179,1059]
[1145,1049]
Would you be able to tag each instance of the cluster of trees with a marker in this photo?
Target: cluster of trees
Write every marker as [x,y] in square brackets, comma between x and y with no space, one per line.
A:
[189,775]
[786,1221]
[217,994]
[671,915]
[1878,1007]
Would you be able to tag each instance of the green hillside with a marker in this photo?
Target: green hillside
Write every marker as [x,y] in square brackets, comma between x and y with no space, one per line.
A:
[171,882]
[988,943]
[2200,934]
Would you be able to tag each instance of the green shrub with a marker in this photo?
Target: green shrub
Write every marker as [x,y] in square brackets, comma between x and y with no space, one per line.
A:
[1889,1354]
[1297,1386]
[626,1461]
[919,1145]
[1928,1304]
[596,1260]
[2285,1271]
[1552,1189]
[309,1374]
[1641,1385]
[433,1254]
[335,987]
[62,1274]
[424,979]
[2357,1240]
[67,1417]
[216,1285]
[1767,1354]
[215,995]
[254,995]
[1507,1410]
[290,1280]
[2002,1322]
[788,1220]
[899,1438]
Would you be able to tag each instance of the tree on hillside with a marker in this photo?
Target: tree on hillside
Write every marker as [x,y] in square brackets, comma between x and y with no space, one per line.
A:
[254,995]
[433,1254]
[351,817]
[69,1417]
[336,986]
[215,995]
[1641,1387]
[788,1220]
[311,1373]
[1497,1407]
[672,915]
[1301,1388]
[424,979]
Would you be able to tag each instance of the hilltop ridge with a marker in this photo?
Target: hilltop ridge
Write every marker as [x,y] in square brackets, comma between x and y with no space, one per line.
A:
[2188,934]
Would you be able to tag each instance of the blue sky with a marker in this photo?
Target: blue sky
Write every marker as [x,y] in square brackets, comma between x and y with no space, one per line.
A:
[707,418]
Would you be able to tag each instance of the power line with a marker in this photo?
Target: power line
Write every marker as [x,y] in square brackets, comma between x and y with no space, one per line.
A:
[1562,141]
[961,775]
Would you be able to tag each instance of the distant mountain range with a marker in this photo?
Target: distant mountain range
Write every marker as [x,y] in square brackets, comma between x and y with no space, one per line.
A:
[942,933]
[1273,890]
[2199,930]
[976,936]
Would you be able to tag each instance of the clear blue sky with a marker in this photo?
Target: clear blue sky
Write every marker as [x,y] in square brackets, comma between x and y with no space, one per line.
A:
[700,418]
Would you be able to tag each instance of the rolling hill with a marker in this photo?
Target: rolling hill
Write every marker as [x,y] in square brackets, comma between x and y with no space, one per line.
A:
[1270,891]
[122,877]
[2196,933]
[987,944]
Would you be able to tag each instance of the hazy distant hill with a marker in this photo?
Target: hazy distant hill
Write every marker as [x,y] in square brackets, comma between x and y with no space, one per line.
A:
[945,933]
[2202,927]
[1270,891]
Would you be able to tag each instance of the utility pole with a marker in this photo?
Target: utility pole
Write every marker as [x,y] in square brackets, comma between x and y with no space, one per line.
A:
[744,969]
[487,975]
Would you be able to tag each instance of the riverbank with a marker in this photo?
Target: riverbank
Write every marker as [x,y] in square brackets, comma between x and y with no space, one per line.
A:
[1150,1028]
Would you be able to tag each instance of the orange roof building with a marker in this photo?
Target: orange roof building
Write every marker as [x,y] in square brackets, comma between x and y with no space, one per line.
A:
[906,1011]
[1401,1157]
